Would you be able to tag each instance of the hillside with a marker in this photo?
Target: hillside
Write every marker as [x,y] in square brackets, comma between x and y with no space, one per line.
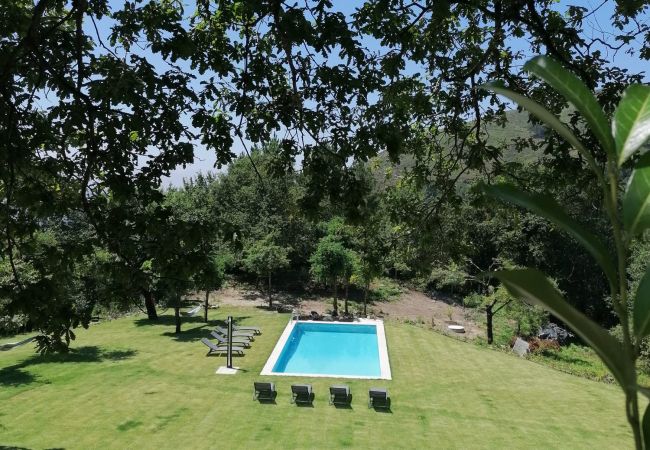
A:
[516,127]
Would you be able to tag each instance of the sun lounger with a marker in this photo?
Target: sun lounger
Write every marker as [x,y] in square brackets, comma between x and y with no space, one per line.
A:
[340,395]
[223,340]
[301,393]
[264,391]
[255,330]
[378,398]
[222,349]
[224,331]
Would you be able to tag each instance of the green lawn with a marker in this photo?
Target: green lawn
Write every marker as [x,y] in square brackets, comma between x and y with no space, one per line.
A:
[131,384]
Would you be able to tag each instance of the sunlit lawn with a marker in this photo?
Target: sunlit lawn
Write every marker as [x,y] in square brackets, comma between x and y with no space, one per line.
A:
[128,383]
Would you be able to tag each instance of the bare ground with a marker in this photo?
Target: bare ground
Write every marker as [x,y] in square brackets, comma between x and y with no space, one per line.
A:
[411,305]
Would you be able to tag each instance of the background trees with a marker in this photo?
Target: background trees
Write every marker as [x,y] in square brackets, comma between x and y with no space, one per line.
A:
[93,123]
[328,265]
[264,258]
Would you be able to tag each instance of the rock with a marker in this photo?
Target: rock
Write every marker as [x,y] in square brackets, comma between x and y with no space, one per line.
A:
[520,347]
[555,332]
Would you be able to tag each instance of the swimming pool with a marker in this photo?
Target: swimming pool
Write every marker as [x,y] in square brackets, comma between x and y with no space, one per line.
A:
[331,349]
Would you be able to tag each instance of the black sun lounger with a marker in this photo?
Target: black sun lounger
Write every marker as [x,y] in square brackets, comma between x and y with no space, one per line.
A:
[301,393]
[220,349]
[340,395]
[237,341]
[378,398]
[264,391]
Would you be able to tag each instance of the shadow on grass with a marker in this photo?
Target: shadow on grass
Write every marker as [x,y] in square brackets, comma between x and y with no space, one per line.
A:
[169,321]
[383,410]
[129,425]
[16,376]
[564,358]
[305,405]
[190,334]
[342,406]
[224,323]
[302,402]
[383,407]
[268,400]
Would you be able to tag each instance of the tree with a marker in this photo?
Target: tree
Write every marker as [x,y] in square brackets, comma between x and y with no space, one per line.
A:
[264,258]
[196,205]
[351,267]
[328,264]
[494,302]
[210,276]
[371,246]
[617,144]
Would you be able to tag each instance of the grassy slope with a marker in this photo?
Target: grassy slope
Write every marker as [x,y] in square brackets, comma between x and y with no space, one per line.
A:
[131,384]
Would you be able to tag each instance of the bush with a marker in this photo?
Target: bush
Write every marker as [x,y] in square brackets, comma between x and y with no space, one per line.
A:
[384,289]
[473,300]
[643,363]
[451,278]
[10,325]
[542,346]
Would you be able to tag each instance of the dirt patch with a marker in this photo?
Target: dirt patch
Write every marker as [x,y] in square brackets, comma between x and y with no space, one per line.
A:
[411,305]
[246,296]
[419,307]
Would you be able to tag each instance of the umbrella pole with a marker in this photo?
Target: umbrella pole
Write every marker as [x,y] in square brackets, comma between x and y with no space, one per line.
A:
[229,350]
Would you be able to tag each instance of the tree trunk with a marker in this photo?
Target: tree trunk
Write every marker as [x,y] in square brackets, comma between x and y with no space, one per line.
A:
[177,316]
[150,305]
[489,314]
[269,293]
[365,300]
[205,309]
[335,302]
[345,305]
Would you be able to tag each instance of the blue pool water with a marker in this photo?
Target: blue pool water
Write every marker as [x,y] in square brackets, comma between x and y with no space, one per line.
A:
[331,349]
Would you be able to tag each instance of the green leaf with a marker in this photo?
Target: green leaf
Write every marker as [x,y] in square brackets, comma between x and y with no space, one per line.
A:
[545,116]
[576,93]
[631,125]
[133,136]
[636,202]
[546,207]
[645,427]
[642,307]
[533,287]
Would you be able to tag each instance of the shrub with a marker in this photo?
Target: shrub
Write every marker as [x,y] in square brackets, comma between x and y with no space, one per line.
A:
[384,289]
[537,345]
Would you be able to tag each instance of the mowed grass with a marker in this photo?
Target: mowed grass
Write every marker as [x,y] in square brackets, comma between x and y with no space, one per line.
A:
[132,384]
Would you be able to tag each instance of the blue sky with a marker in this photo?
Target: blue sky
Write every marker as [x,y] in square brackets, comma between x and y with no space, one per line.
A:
[597,25]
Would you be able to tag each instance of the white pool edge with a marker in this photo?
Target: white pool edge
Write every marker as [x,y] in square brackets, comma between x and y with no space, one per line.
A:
[384,364]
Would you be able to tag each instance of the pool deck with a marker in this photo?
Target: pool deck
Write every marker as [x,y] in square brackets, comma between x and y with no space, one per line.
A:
[384,364]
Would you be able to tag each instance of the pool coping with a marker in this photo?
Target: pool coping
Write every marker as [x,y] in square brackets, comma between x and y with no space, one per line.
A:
[384,364]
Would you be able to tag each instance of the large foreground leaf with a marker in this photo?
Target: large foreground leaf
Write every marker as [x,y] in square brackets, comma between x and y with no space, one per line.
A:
[577,93]
[546,207]
[645,426]
[631,125]
[636,202]
[642,307]
[545,116]
[533,287]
